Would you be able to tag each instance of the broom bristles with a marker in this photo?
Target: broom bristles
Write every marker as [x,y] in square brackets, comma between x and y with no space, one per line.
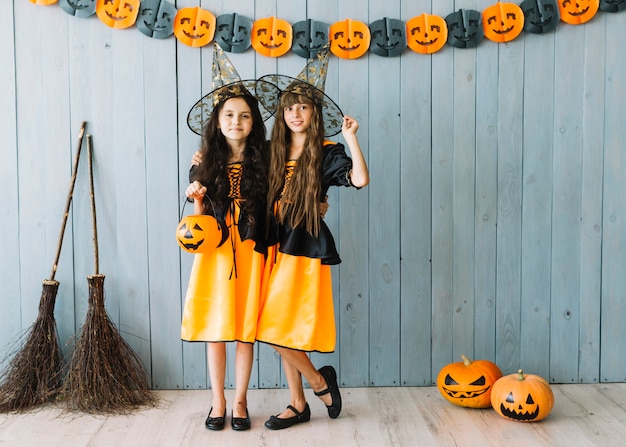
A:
[104,375]
[34,374]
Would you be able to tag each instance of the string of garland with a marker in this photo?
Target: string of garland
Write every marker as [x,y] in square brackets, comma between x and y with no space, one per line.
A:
[350,39]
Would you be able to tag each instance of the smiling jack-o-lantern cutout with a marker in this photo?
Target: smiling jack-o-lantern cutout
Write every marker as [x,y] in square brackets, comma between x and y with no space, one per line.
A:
[388,37]
[522,397]
[503,21]
[349,39]
[612,5]
[78,8]
[156,18]
[271,37]
[118,14]
[309,36]
[195,27]
[426,33]
[468,383]
[198,233]
[576,12]
[540,16]
[232,32]
[464,28]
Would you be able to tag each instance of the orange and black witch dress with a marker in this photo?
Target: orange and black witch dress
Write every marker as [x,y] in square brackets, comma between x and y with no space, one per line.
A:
[297,308]
[222,301]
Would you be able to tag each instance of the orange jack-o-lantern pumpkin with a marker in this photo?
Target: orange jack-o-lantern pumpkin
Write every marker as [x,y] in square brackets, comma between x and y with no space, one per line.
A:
[349,39]
[522,397]
[198,233]
[503,21]
[576,12]
[271,37]
[118,14]
[195,27]
[426,33]
[468,383]
[43,2]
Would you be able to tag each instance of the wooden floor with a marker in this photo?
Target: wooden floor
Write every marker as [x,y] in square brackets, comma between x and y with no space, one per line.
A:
[583,415]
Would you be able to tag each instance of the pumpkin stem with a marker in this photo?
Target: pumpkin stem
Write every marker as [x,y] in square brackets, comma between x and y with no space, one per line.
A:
[520,375]
[466,360]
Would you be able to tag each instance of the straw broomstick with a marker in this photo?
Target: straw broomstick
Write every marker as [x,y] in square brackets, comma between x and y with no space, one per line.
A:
[104,374]
[34,374]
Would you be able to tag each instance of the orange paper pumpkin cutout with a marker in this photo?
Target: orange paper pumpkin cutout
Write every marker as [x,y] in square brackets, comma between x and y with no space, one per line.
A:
[195,27]
[271,37]
[118,14]
[503,22]
[43,2]
[576,12]
[349,39]
[426,33]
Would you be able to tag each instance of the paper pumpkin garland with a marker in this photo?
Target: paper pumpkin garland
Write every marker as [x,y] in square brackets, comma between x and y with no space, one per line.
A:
[503,21]
[388,37]
[309,36]
[464,28]
[540,16]
[232,32]
[426,33]
[195,27]
[612,5]
[43,2]
[271,36]
[118,14]
[156,18]
[576,12]
[349,39]
[78,8]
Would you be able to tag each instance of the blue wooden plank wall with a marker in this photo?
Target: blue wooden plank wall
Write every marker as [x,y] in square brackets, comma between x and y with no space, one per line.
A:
[494,225]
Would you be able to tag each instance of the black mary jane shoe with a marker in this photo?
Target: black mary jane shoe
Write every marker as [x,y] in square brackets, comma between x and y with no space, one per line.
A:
[240,424]
[215,423]
[276,423]
[330,376]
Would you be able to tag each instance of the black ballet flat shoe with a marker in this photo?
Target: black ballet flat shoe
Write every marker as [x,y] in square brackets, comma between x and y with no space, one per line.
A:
[276,423]
[215,423]
[240,424]
[330,376]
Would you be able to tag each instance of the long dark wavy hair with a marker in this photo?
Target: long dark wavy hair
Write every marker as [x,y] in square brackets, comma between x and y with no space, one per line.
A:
[300,200]
[213,173]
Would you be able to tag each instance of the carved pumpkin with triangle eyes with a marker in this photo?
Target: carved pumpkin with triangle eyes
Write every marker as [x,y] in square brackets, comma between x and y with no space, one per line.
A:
[522,397]
[503,22]
[198,233]
[118,14]
[576,12]
[349,39]
[426,33]
[468,383]
[271,37]
[195,27]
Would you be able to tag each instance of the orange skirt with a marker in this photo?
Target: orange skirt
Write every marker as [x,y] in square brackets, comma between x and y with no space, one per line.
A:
[297,308]
[222,302]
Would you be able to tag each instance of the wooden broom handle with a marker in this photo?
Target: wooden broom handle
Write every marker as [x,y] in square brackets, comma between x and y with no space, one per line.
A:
[68,202]
[93,204]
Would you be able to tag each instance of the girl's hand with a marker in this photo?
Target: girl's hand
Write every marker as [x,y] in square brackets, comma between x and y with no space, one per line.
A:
[349,126]
[195,191]
[196,159]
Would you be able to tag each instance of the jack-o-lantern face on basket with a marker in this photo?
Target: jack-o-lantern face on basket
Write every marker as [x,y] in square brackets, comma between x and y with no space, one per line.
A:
[156,18]
[118,14]
[195,27]
[540,16]
[464,28]
[271,37]
[198,233]
[612,5]
[426,33]
[576,12]
[522,397]
[503,22]
[388,37]
[309,36]
[78,8]
[232,32]
[349,39]
[468,383]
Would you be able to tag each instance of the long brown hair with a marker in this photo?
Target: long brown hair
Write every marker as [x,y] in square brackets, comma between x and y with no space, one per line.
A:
[300,200]
[213,172]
